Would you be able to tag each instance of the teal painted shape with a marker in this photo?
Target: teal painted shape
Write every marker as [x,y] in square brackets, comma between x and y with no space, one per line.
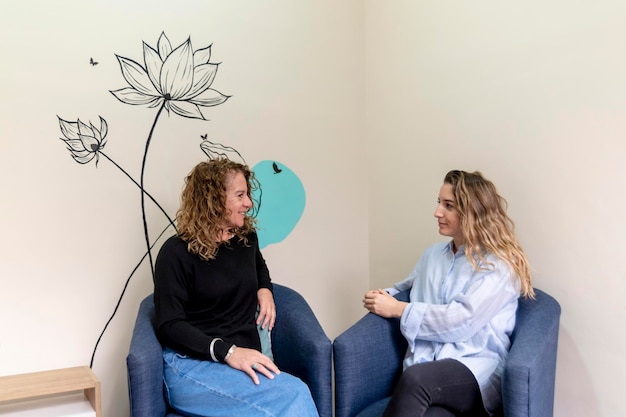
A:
[282,200]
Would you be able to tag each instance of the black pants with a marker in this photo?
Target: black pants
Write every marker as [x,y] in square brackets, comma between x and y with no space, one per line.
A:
[444,388]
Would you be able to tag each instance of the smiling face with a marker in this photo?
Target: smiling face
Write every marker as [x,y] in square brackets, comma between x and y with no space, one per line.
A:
[237,201]
[447,215]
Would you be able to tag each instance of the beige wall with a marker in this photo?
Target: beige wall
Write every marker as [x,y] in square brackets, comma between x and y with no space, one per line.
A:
[72,233]
[533,94]
[370,103]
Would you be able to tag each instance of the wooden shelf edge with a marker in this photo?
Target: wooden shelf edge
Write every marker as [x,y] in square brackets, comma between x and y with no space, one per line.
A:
[33,385]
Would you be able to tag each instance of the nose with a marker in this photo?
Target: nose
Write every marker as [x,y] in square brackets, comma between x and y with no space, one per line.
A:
[247,203]
[438,213]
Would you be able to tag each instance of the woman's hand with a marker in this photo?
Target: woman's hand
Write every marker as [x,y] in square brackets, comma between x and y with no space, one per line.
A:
[267,311]
[252,361]
[380,302]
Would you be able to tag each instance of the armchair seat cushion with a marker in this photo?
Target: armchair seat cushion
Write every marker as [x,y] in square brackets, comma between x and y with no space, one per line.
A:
[376,409]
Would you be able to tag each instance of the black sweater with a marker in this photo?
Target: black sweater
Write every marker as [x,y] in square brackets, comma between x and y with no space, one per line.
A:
[198,300]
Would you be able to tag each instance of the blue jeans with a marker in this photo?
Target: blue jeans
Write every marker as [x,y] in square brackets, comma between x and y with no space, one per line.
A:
[210,389]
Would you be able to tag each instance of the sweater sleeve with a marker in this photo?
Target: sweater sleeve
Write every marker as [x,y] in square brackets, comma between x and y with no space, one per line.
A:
[263,273]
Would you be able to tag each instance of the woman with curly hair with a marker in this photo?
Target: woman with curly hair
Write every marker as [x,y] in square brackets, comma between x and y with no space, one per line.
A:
[462,305]
[210,280]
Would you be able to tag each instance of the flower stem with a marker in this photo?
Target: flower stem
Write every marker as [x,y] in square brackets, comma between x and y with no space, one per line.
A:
[143,199]
[137,184]
[119,301]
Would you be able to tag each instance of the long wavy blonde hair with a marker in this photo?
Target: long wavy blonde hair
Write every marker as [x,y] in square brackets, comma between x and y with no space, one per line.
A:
[203,212]
[485,225]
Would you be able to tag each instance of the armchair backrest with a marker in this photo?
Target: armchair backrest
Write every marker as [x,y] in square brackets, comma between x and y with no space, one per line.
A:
[529,373]
[302,348]
[372,344]
[145,366]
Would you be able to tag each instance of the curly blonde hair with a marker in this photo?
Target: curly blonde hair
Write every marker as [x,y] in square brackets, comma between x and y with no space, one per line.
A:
[203,210]
[485,225]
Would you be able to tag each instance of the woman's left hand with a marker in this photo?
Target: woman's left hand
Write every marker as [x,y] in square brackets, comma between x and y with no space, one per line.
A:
[267,312]
[251,361]
[381,303]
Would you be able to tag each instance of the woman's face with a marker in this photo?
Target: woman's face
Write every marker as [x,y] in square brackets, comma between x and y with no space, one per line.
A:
[447,215]
[237,201]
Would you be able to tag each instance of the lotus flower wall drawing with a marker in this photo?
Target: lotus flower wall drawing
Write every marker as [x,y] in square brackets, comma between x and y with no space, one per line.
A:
[179,80]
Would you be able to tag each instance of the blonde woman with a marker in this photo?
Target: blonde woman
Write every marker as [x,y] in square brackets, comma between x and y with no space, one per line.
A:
[209,280]
[462,304]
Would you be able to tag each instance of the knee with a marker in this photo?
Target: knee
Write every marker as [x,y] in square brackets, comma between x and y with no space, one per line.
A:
[413,382]
[413,375]
[299,388]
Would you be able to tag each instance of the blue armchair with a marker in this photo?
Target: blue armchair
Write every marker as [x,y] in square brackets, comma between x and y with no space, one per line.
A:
[368,361]
[299,344]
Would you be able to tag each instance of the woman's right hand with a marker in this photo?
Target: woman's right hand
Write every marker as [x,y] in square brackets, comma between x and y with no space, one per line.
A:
[252,361]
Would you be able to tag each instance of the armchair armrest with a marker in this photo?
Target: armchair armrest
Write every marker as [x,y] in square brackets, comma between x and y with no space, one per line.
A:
[145,366]
[301,347]
[529,373]
[371,344]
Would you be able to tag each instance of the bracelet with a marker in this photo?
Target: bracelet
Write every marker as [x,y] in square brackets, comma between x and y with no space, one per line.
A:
[212,346]
[230,352]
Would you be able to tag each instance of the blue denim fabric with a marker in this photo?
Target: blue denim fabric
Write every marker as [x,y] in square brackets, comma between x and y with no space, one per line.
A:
[204,388]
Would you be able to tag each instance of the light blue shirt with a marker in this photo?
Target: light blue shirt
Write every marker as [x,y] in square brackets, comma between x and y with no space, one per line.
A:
[461,313]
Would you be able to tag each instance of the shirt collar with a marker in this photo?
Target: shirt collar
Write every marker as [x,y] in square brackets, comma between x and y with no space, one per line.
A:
[448,248]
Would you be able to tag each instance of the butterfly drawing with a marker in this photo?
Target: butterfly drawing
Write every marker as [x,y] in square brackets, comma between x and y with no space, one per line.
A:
[276,169]
[92,62]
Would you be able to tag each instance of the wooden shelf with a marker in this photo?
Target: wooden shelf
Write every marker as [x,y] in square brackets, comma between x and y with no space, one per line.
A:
[34,385]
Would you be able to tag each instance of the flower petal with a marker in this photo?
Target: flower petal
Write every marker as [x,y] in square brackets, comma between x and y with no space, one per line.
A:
[177,72]
[83,158]
[213,150]
[153,63]
[84,129]
[202,56]
[131,96]
[104,129]
[203,76]
[98,135]
[186,109]
[164,46]
[209,98]
[136,76]
[80,155]
[157,103]
[91,144]
[75,145]
[68,129]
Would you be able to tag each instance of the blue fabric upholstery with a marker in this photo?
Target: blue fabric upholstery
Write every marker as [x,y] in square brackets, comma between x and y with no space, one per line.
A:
[368,361]
[299,343]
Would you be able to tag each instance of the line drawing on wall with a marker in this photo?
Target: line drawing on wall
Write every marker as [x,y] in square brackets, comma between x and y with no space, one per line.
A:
[179,80]
[176,80]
